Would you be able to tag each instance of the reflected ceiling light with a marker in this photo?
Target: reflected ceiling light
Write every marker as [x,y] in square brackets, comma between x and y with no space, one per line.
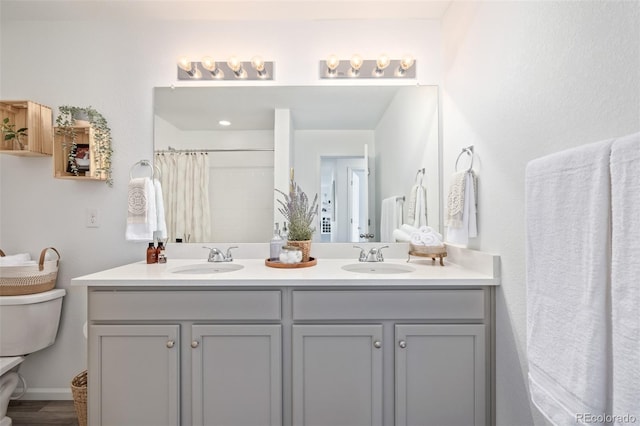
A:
[405,63]
[357,67]
[224,123]
[332,65]
[233,69]
[210,65]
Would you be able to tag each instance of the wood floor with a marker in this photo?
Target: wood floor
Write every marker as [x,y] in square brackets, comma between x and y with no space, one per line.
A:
[42,413]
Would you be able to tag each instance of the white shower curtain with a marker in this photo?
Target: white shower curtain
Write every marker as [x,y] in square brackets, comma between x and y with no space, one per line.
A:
[185,188]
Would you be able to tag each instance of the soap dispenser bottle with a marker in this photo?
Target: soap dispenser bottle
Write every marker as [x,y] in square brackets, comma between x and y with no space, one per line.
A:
[152,255]
[276,244]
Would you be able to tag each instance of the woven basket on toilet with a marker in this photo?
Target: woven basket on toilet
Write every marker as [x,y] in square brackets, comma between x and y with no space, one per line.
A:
[29,279]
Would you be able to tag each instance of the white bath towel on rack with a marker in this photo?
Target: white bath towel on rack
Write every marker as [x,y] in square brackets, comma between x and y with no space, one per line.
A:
[567,256]
[141,212]
[625,268]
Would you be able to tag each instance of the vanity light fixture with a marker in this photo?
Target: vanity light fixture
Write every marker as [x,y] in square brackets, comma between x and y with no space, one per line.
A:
[356,67]
[233,69]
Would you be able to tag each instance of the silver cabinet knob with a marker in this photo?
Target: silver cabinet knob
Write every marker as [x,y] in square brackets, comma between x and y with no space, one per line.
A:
[194,344]
[170,343]
[377,344]
[402,344]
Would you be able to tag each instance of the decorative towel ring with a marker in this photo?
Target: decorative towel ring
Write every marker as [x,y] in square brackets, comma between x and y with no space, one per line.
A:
[469,151]
[155,171]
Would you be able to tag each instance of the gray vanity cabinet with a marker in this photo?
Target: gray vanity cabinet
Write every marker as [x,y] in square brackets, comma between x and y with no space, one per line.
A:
[337,375]
[440,374]
[135,377]
[236,375]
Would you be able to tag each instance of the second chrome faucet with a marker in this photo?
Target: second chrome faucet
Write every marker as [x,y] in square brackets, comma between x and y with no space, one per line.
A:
[215,255]
[373,255]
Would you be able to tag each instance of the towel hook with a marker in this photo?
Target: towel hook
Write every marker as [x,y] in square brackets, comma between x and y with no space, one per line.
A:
[469,151]
[420,171]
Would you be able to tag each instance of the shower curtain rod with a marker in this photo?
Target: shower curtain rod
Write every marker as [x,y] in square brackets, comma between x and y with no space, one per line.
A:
[170,150]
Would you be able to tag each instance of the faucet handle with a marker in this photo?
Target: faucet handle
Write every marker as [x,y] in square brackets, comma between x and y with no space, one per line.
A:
[229,256]
[363,254]
[379,256]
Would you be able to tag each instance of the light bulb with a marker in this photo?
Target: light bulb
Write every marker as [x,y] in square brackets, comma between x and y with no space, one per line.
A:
[208,63]
[406,62]
[383,61]
[234,64]
[333,62]
[185,65]
[356,62]
[257,63]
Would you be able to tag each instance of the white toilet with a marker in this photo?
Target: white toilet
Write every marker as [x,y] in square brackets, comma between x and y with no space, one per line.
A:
[28,323]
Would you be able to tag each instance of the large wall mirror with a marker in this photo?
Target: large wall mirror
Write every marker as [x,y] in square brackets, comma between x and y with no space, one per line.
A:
[225,149]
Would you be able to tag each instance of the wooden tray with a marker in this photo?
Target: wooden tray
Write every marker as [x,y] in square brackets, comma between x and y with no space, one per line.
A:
[277,264]
[441,254]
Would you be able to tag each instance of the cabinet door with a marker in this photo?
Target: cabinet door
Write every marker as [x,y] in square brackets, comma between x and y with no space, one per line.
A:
[337,375]
[237,375]
[133,376]
[440,375]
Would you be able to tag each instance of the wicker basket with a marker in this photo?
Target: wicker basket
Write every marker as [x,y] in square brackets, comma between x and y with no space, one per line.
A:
[79,392]
[304,246]
[29,279]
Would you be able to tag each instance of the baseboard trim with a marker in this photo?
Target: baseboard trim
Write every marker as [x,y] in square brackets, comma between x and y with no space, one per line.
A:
[47,394]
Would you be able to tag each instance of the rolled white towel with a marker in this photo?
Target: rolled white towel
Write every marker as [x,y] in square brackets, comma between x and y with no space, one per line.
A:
[416,238]
[400,236]
[408,229]
[15,259]
[430,230]
[430,239]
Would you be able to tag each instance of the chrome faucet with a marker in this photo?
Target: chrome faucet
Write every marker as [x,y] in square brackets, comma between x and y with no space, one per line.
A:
[215,255]
[374,254]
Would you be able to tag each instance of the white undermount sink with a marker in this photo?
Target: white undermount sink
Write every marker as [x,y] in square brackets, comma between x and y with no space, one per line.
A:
[207,268]
[378,268]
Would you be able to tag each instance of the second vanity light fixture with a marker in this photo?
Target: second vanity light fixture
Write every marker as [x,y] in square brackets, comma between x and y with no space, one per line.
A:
[232,69]
[356,67]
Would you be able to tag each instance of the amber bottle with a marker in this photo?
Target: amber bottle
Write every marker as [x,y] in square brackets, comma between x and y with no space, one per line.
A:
[152,255]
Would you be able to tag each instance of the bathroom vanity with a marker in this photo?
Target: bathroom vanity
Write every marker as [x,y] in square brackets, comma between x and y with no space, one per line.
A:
[182,344]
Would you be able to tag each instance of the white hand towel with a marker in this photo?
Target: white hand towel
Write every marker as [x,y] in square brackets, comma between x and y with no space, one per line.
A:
[15,259]
[567,236]
[391,218]
[411,205]
[625,269]
[430,240]
[141,212]
[468,228]
[408,228]
[416,238]
[161,223]
[420,218]
[455,200]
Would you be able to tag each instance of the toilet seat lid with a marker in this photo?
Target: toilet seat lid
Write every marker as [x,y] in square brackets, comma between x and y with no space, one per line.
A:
[8,362]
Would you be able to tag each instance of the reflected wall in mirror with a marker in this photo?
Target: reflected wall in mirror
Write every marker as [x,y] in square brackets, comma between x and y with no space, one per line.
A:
[353,145]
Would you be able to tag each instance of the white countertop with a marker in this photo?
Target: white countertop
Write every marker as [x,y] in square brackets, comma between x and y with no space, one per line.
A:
[255,273]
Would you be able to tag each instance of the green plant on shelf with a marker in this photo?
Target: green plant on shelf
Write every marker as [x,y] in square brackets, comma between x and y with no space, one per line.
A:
[10,133]
[66,120]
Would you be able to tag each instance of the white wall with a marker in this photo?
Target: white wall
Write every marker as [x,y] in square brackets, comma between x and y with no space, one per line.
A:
[112,63]
[522,80]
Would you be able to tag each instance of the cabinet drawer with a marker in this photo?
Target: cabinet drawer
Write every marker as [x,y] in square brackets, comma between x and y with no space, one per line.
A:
[389,304]
[184,305]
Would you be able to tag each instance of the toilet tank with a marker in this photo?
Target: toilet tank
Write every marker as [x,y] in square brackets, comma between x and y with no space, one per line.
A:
[29,322]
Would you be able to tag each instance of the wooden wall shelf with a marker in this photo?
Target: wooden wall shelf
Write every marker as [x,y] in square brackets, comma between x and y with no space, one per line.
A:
[38,119]
[86,141]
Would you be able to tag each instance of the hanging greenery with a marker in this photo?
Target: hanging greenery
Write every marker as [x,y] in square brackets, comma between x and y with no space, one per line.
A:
[66,121]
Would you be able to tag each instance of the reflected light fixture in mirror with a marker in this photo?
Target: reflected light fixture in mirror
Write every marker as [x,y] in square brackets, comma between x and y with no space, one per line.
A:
[357,67]
[233,69]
